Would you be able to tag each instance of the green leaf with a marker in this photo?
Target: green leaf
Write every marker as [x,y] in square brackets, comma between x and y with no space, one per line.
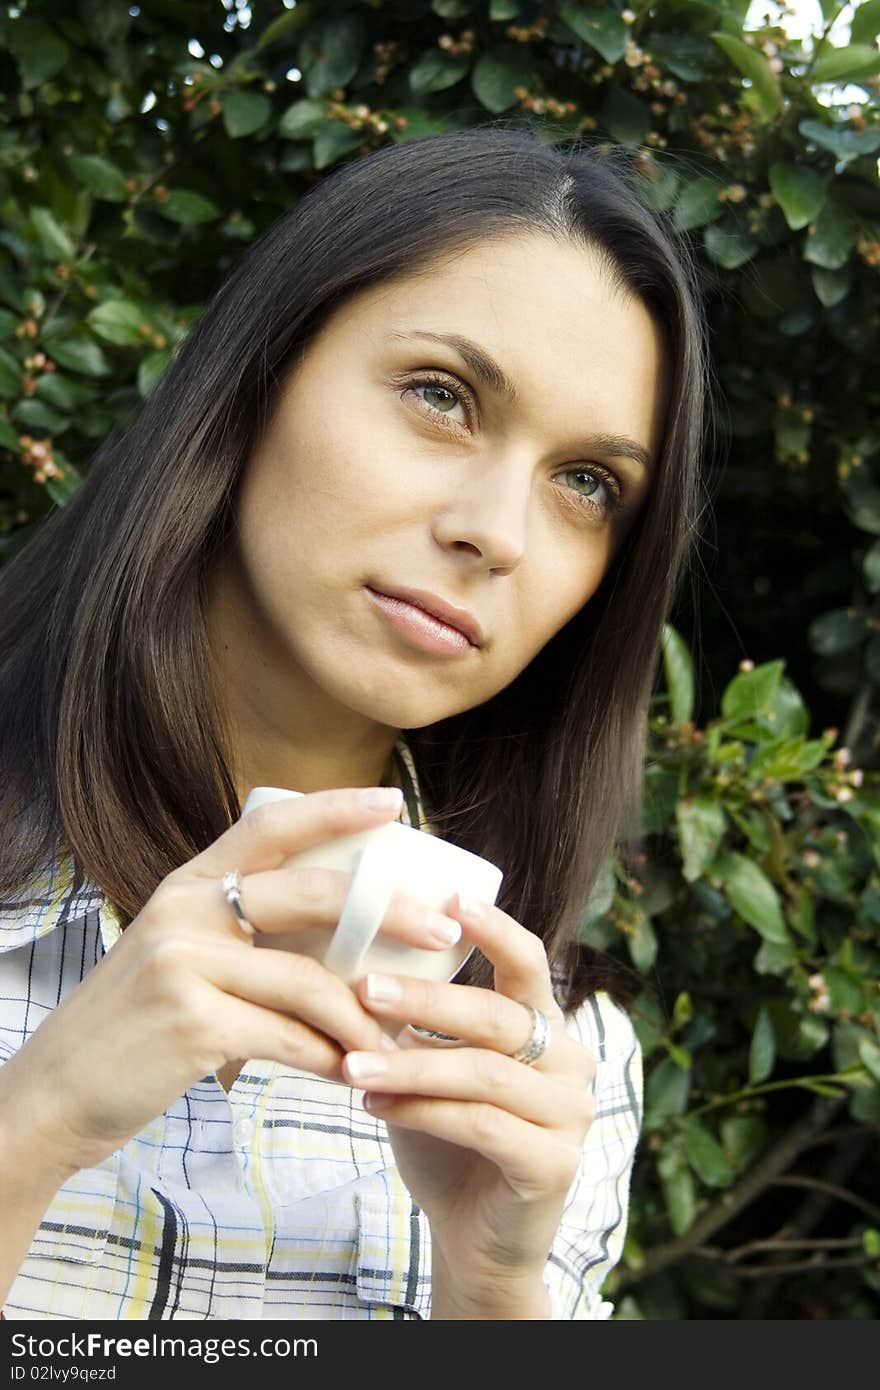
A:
[627,118]
[62,392]
[10,375]
[503,9]
[36,415]
[62,489]
[102,179]
[787,713]
[799,1037]
[642,945]
[436,71]
[762,1049]
[245,112]
[54,240]
[685,55]
[37,49]
[151,370]
[188,208]
[79,354]
[698,204]
[451,9]
[751,693]
[752,895]
[765,95]
[844,143]
[774,959]
[865,22]
[661,795]
[743,1137]
[602,29]
[682,1010]
[679,670]
[303,119]
[9,437]
[666,1092]
[658,184]
[119,321]
[330,52]
[706,1155]
[799,191]
[831,286]
[680,1055]
[869,1054]
[333,142]
[286,24]
[845,989]
[839,631]
[846,64]
[871,1242]
[871,568]
[785,759]
[831,238]
[729,246]
[498,73]
[701,825]
[679,1191]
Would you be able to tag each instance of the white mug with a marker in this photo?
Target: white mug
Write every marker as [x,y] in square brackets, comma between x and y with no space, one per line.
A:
[386,859]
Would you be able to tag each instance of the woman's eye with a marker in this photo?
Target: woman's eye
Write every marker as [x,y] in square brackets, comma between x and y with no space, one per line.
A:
[597,481]
[441,401]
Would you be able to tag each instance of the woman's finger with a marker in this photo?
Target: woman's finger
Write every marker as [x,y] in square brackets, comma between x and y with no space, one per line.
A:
[289,984]
[300,899]
[535,1163]
[473,1075]
[480,1017]
[522,970]
[271,833]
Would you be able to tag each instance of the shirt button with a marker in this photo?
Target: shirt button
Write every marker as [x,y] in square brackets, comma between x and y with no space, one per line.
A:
[243,1131]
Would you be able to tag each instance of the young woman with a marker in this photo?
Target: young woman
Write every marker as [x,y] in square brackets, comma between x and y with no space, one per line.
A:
[465,376]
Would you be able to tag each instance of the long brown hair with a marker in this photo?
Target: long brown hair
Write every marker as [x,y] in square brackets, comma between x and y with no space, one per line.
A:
[113,742]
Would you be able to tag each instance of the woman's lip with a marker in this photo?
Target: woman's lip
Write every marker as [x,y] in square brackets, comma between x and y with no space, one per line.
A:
[421,628]
[461,619]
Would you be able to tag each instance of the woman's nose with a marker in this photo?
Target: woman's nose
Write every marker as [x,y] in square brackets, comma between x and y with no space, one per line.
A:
[489,514]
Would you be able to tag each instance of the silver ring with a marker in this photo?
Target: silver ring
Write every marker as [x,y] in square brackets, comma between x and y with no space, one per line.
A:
[536,1044]
[232,893]
[435,1037]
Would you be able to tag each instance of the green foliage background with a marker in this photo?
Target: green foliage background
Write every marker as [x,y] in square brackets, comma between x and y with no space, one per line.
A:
[132,174]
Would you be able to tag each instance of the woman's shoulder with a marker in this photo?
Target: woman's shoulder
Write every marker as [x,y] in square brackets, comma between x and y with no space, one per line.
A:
[604,1028]
[55,895]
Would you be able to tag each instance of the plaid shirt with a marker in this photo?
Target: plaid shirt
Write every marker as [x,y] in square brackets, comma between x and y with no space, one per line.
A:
[280,1199]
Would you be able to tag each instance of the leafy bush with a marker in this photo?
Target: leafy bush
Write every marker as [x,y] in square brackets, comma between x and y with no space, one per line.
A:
[132,174]
[758,876]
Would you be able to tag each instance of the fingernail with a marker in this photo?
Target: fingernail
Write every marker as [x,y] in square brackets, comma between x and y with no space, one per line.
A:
[383,989]
[382,798]
[471,907]
[441,929]
[364,1064]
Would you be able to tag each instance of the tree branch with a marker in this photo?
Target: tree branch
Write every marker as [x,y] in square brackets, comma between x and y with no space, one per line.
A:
[774,1163]
[841,1193]
[797,1266]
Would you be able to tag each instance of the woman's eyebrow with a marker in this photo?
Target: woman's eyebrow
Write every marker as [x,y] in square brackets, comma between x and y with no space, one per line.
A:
[492,376]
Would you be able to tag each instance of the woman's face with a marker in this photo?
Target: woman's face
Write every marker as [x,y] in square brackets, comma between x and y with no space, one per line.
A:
[391,463]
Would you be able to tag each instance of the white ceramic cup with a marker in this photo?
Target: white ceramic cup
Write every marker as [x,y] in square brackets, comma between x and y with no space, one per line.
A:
[387,859]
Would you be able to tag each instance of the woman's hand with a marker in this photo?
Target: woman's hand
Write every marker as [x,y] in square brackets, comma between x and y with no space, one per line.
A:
[183,991]
[487,1146]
